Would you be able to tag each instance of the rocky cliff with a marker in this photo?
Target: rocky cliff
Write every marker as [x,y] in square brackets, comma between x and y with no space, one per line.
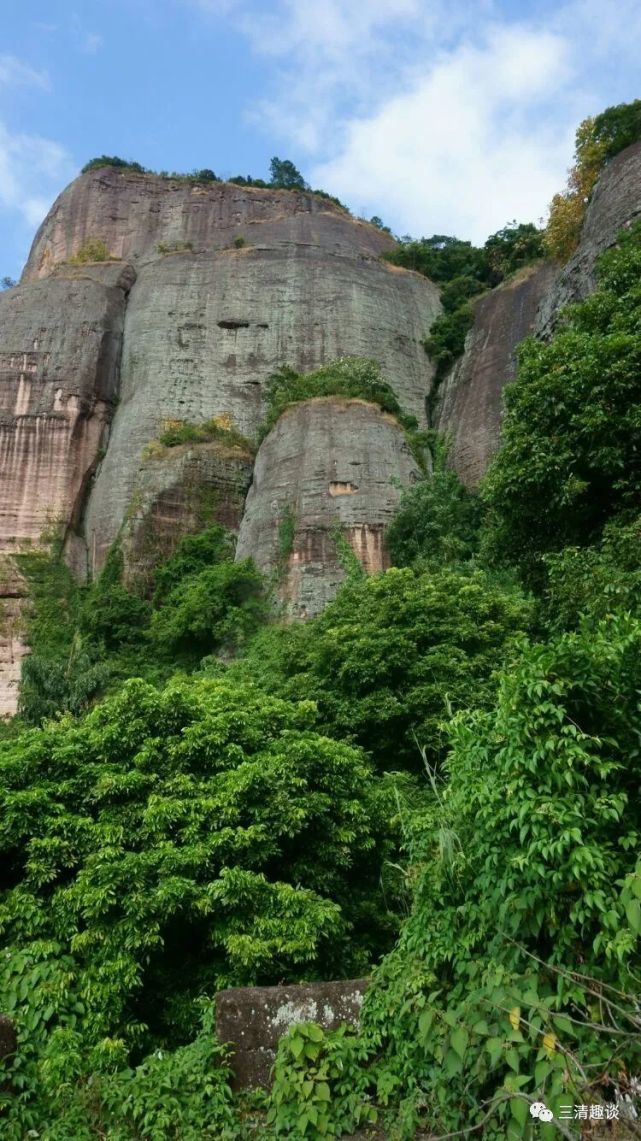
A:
[205,291]
[469,404]
[329,468]
[470,399]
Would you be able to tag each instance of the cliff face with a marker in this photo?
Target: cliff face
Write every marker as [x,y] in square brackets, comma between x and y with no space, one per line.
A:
[328,466]
[615,203]
[208,290]
[470,399]
[469,403]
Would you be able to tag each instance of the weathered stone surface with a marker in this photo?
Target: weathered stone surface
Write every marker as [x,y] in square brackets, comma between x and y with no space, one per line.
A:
[615,203]
[60,343]
[253,1019]
[178,491]
[470,399]
[328,464]
[13,592]
[204,332]
[134,214]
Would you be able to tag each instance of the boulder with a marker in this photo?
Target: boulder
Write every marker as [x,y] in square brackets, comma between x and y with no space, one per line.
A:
[251,1020]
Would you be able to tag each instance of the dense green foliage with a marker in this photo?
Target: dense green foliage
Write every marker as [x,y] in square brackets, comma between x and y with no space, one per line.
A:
[172,843]
[463,270]
[527,860]
[86,640]
[352,377]
[437,521]
[250,820]
[392,656]
[571,454]
[285,175]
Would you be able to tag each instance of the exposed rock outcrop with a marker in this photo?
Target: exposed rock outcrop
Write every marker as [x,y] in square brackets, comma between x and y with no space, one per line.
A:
[205,329]
[615,203]
[178,491]
[253,1019]
[135,214]
[329,465]
[470,399]
[13,593]
[60,345]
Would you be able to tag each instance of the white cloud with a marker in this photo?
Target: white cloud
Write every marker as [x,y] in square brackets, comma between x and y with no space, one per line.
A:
[441,115]
[462,151]
[91,43]
[32,171]
[15,73]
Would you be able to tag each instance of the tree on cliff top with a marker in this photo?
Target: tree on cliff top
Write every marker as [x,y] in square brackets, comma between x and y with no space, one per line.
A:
[285,175]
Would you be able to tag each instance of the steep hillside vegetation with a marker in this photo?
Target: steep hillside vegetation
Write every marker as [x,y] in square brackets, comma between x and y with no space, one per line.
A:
[433,780]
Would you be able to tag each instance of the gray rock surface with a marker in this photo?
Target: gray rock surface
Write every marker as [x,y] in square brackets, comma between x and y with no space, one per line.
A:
[60,345]
[203,333]
[178,491]
[470,399]
[327,465]
[253,1019]
[134,213]
[615,203]
[13,594]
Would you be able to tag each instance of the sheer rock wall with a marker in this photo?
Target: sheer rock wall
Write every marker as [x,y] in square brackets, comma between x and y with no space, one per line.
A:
[470,399]
[328,466]
[615,203]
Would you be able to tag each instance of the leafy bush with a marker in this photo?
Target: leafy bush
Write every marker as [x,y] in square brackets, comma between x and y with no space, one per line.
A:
[170,844]
[570,457]
[214,609]
[113,160]
[597,141]
[219,428]
[91,250]
[390,658]
[437,520]
[446,339]
[319,1090]
[508,977]
[589,583]
[111,614]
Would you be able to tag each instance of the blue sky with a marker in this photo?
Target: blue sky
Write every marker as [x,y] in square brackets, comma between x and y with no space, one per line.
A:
[442,116]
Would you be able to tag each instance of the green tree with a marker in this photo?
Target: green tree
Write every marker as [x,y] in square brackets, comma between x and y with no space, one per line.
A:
[509,980]
[392,656]
[437,521]
[516,245]
[285,174]
[170,844]
[214,609]
[571,450]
